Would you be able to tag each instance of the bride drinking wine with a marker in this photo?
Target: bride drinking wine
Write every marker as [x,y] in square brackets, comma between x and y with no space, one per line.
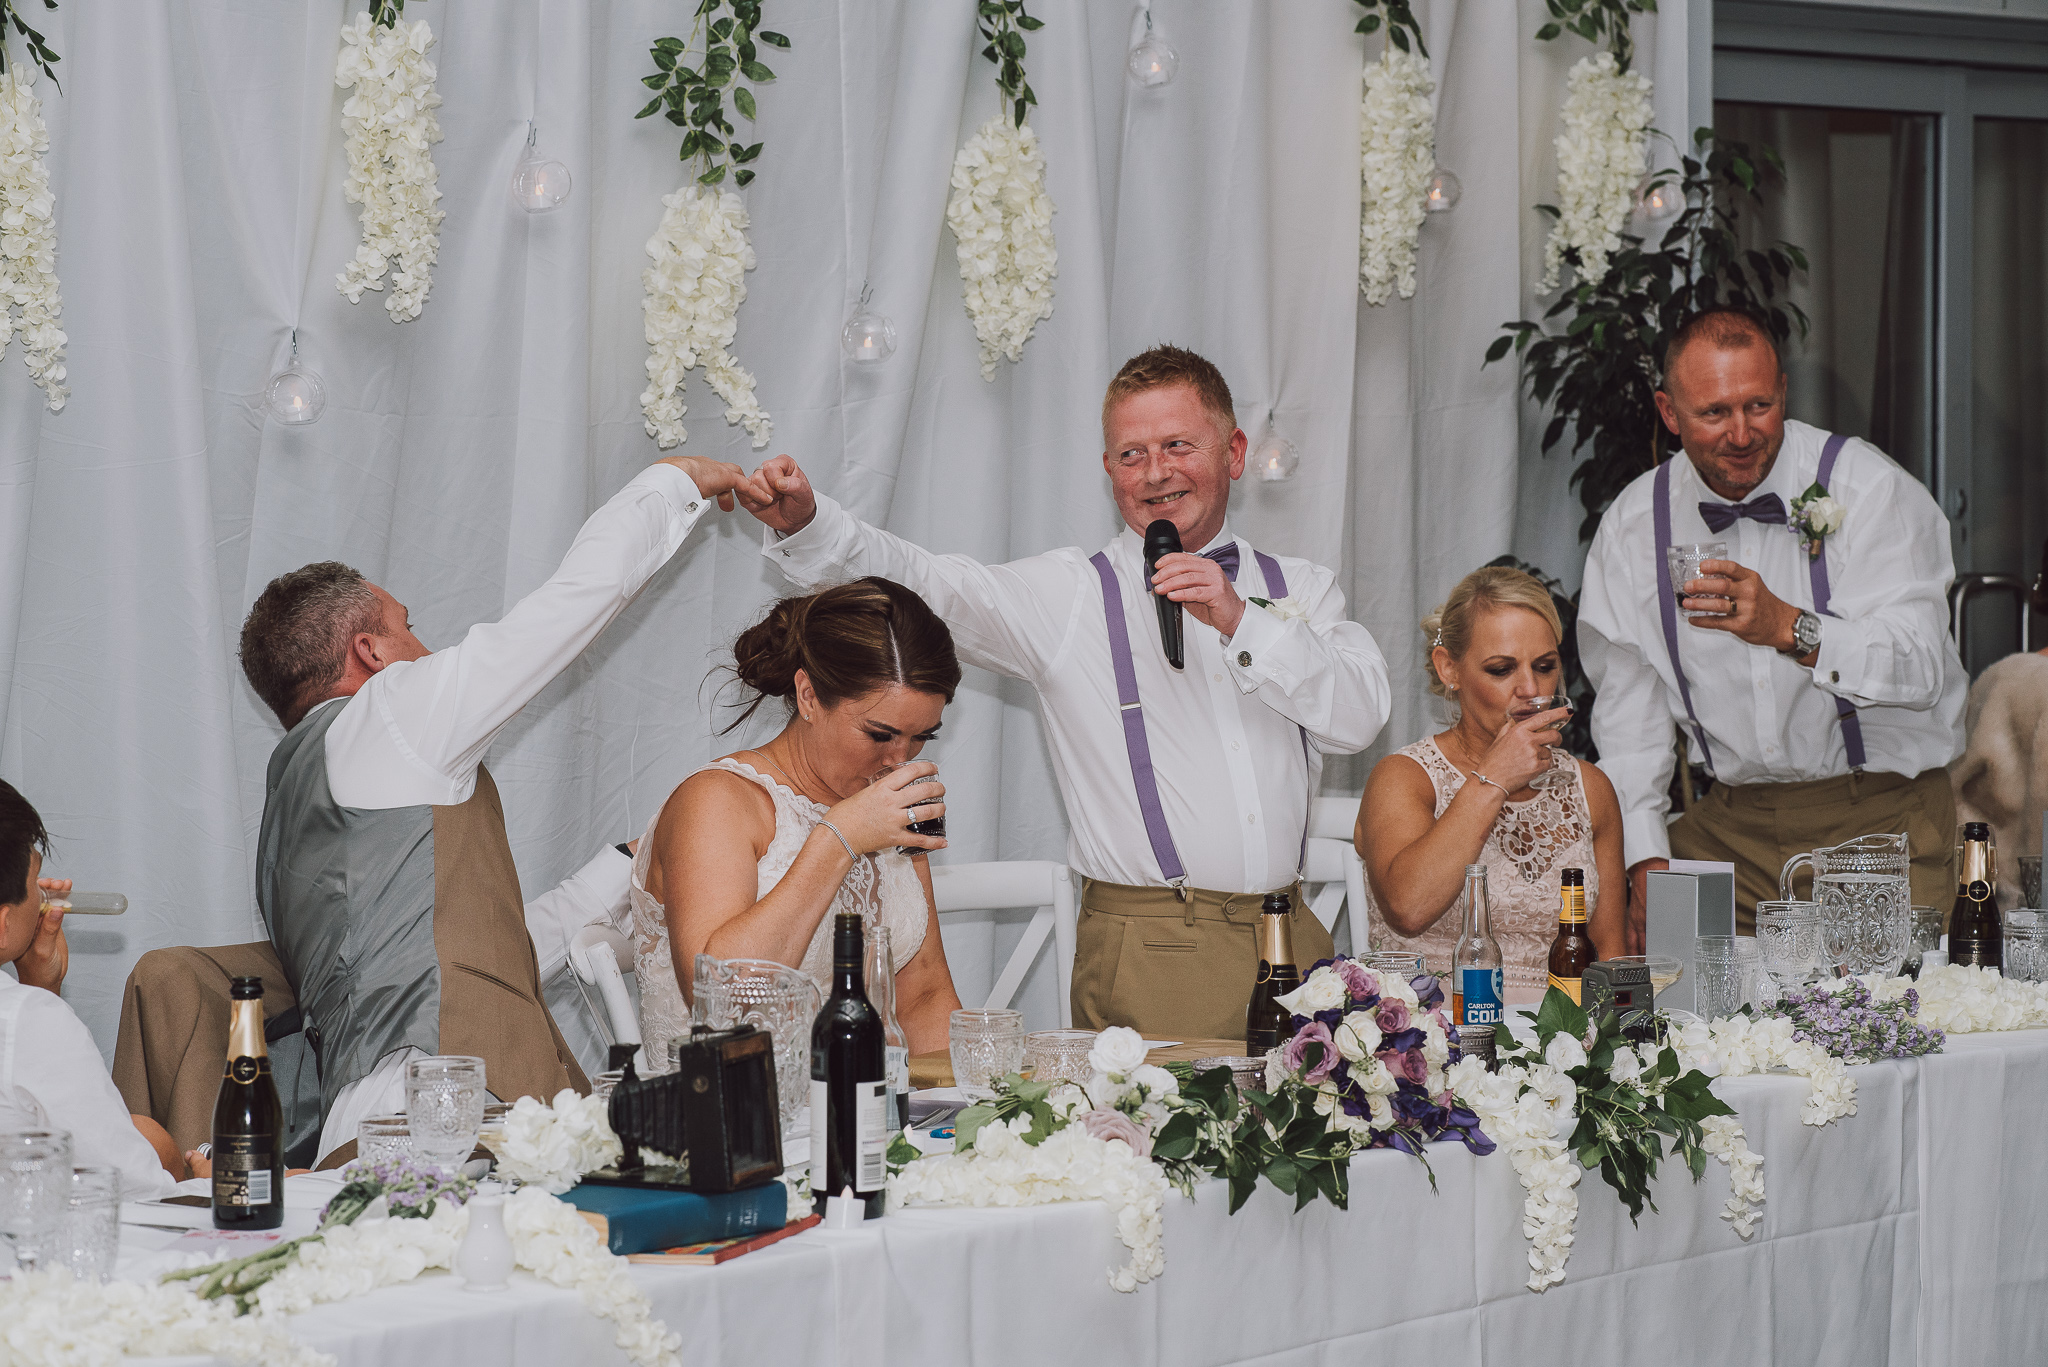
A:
[753,851]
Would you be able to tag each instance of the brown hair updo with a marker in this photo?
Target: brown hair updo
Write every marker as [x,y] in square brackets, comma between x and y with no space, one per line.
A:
[850,640]
[1495,586]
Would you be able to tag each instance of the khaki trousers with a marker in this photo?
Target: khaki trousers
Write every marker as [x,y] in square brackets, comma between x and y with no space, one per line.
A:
[1759,826]
[1171,969]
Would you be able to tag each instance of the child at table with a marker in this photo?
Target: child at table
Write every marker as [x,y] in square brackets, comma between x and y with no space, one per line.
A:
[51,1073]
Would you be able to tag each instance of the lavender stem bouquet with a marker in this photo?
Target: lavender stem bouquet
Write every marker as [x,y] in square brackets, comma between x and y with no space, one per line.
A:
[1848,1021]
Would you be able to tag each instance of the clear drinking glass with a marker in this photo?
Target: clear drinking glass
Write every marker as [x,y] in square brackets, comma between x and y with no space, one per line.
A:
[1684,562]
[2023,946]
[1725,969]
[492,1132]
[1059,1055]
[444,1108]
[383,1139]
[1788,943]
[935,825]
[985,1044]
[1398,961]
[1926,936]
[91,1233]
[1866,920]
[35,1188]
[2030,881]
[1560,771]
[1665,971]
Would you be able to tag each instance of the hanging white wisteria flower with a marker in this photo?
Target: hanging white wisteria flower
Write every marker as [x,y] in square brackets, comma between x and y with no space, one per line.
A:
[1397,155]
[1601,154]
[388,126]
[30,304]
[1001,217]
[694,291]
[52,1319]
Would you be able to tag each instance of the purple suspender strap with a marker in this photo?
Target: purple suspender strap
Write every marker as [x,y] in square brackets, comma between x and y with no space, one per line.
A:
[1667,605]
[1135,742]
[1276,585]
[1817,566]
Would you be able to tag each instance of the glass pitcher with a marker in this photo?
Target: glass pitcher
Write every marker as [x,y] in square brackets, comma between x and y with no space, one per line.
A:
[1865,900]
[1882,855]
[727,993]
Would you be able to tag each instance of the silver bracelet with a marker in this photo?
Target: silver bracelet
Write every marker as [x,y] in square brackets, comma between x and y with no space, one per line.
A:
[842,839]
[1484,779]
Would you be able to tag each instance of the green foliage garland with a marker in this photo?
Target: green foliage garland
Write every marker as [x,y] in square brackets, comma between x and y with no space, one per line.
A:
[1601,22]
[1004,23]
[1599,375]
[39,50]
[1402,27]
[724,44]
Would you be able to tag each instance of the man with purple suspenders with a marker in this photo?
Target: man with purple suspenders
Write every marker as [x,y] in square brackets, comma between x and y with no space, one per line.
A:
[1825,696]
[1187,791]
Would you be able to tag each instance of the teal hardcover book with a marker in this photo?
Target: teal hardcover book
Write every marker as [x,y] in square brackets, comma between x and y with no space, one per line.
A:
[643,1219]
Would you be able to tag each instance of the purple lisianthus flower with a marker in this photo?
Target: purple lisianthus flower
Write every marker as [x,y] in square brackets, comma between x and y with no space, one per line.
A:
[1428,991]
[1393,1017]
[1296,1049]
[1406,1064]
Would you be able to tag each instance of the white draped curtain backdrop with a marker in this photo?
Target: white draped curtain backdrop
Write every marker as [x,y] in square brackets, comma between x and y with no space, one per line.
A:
[196,157]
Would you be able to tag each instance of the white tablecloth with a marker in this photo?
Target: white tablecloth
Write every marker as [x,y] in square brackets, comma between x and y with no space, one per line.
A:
[1915,1231]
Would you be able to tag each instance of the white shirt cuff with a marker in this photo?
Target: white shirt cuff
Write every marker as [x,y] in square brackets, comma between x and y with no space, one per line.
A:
[1644,836]
[813,538]
[1249,654]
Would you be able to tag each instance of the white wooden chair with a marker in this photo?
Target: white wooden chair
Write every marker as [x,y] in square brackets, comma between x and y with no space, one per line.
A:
[601,958]
[1017,883]
[1333,874]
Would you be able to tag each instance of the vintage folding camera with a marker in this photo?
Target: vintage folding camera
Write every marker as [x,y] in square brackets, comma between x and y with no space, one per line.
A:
[716,1114]
[1626,990]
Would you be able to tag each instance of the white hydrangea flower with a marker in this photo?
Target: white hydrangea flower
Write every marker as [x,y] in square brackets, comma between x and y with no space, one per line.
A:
[1601,152]
[552,1146]
[1397,156]
[1962,999]
[388,126]
[1001,217]
[694,291]
[30,303]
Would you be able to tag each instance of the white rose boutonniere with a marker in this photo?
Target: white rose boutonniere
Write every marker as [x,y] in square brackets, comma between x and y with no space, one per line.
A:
[1286,609]
[1816,514]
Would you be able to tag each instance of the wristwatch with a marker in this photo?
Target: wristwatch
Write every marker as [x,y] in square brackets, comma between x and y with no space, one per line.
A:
[1805,635]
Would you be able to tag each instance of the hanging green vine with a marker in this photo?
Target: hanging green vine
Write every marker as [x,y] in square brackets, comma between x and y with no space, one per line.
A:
[39,49]
[723,40]
[1402,27]
[1601,22]
[1004,23]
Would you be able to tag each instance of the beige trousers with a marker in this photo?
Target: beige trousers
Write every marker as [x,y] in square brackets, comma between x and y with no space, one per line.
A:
[1171,969]
[1759,826]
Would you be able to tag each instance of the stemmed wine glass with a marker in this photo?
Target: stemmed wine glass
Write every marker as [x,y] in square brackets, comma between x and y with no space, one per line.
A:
[1560,771]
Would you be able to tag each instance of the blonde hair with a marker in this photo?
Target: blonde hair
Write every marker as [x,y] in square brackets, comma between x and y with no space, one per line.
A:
[1495,586]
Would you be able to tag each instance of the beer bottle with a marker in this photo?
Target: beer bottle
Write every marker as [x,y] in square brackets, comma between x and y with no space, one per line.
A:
[1571,951]
[248,1122]
[1476,972]
[1267,1024]
[849,1082]
[1976,934]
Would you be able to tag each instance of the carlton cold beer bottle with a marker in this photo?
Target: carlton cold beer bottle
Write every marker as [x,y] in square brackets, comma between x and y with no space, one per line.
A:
[1476,973]
[1571,951]
[248,1122]
[1976,935]
[1266,1022]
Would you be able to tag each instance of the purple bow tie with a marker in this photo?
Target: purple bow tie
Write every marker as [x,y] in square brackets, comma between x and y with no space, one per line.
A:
[1721,516]
[1226,556]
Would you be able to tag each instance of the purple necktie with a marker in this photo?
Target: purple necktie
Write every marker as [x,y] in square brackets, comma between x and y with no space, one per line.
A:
[1226,556]
[1721,516]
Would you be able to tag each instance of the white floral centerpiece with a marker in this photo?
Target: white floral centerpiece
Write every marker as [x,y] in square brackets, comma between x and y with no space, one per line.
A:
[1001,217]
[694,291]
[1962,999]
[1397,156]
[30,303]
[552,1146]
[1601,152]
[389,126]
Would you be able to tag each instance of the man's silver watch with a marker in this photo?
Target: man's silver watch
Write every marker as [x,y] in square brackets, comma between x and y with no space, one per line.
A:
[1805,634]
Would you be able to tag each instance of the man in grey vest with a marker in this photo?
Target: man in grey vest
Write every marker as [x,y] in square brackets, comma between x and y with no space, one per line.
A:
[383,870]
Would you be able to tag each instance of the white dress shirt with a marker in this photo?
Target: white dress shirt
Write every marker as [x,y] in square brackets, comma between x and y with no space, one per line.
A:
[52,1076]
[1225,733]
[1767,718]
[416,732]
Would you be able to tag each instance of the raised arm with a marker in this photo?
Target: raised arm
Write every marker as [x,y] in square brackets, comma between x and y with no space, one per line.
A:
[1322,671]
[1008,618]
[416,731]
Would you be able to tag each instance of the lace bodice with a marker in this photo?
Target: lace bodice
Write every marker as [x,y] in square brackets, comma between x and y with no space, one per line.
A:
[882,887]
[1530,841]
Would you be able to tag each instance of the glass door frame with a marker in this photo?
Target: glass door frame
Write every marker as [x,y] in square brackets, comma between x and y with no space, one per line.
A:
[1958,96]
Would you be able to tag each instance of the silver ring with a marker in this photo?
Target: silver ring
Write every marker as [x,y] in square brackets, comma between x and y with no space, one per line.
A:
[911,812]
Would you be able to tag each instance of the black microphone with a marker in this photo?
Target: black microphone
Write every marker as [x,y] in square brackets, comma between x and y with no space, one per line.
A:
[1163,538]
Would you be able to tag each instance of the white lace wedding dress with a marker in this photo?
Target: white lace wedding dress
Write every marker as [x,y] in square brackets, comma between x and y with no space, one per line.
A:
[882,887]
[1530,841]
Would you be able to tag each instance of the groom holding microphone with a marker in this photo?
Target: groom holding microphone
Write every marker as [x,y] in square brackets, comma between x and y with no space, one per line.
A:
[1187,752]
